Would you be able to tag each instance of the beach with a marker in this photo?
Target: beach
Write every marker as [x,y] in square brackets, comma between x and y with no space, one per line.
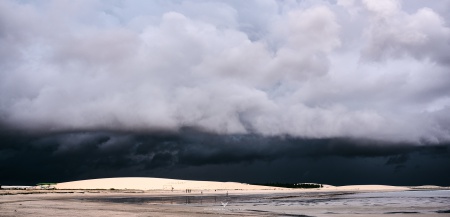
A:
[363,200]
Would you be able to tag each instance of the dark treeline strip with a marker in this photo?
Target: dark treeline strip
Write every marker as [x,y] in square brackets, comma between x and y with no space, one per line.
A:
[292,185]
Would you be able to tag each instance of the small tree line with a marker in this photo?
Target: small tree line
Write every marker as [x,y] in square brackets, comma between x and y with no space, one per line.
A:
[293,185]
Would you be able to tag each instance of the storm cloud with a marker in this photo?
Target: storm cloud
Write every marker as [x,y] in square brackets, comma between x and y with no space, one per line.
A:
[338,92]
[189,154]
[309,69]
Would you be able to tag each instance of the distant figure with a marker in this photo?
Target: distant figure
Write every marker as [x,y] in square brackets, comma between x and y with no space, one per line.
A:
[227,193]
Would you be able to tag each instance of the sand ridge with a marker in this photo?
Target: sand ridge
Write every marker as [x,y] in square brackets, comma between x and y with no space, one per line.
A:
[142,183]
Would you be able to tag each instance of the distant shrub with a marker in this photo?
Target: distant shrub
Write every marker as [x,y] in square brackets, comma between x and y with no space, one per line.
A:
[308,185]
[293,185]
[46,183]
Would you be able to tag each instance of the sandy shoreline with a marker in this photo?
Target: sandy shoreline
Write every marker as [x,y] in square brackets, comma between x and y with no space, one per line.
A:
[151,197]
[160,186]
[235,203]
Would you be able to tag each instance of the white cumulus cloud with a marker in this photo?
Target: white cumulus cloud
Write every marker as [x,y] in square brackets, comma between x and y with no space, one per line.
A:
[370,69]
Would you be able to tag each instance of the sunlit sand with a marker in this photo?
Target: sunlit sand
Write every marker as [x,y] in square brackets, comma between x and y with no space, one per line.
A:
[156,184]
[134,196]
[177,185]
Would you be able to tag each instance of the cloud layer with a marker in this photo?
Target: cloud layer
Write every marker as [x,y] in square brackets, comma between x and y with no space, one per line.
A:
[369,69]
[188,154]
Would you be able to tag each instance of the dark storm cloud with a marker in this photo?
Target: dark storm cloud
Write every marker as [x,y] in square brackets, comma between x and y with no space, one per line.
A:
[310,69]
[330,91]
[197,155]
[398,159]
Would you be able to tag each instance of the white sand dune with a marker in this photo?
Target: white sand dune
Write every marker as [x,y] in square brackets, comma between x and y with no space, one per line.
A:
[366,188]
[156,184]
[140,183]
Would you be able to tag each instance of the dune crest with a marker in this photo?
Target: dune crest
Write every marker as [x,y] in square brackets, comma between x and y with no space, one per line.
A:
[144,183]
[141,183]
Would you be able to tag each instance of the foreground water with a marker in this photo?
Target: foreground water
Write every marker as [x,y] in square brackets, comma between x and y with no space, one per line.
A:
[403,203]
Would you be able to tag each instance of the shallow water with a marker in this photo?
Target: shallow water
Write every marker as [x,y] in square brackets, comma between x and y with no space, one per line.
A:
[309,204]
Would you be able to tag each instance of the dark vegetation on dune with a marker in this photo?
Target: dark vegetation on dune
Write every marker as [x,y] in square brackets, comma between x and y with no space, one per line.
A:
[292,185]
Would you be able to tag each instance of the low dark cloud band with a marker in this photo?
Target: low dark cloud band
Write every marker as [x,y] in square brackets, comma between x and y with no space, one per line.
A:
[197,155]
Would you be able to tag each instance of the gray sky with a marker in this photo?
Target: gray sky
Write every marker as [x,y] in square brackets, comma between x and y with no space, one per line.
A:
[338,92]
[309,69]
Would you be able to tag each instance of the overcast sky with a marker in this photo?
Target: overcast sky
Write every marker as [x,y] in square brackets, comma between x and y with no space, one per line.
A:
[368,77]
